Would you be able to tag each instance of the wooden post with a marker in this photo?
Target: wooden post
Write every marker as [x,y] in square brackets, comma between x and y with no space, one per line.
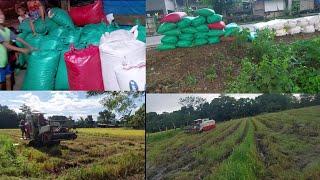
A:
[65,4]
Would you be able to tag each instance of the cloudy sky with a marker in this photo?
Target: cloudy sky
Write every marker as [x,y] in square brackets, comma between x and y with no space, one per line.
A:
[74,104]
[170,102]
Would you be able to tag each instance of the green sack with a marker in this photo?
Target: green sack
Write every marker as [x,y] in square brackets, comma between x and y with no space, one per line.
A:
[174,32]
[164,47]
[214,40]
[184,36]
[61,81]
[60,17]
[51,25]
[34,41]
[101,27]
[189,30]
[169,39]
[199,20]
[142,36]
[41,71]
[166,27]
[205,12]
[231,29]
[50,43]
[202,28]
[73,36]
[22,36]
[214,18]
[90,38]
[199,42]
[215,32]
[184,44]
[201,35]
[59,32]
[23,59]
[185,22]
[111,28]
[39,26]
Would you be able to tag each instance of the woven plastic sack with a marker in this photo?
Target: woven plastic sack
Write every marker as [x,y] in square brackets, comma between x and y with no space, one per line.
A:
[231,29]
[41,71]
[61,81]
[281,32]
[131,79]
[214,40]
[50,43]
[88,14]
[214,18]
[217,33]
[295,30]
[39,26]
[142,36]
[202,28]
[174,32]
[201,35]
[169,39]
[90,38]
[166,27]
[198,21]
[173,17]
[185,22]
[51,25]
[189,30]
[205,12]
[22,36]
[61,17]
[165,47]
[308,29]
[218,25]
[59,32]
[73,36]
[34,41]
[188,37]
[200,42]
[184,44]
[84,68]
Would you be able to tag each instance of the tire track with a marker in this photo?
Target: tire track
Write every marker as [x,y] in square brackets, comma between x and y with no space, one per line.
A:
[184,158]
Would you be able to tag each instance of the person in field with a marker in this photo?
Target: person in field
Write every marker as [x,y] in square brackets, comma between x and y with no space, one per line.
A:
[22,126]
[6,37]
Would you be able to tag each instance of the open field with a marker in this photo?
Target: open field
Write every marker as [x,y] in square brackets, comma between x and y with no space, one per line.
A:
[282,145]
[96,154]
[213,68]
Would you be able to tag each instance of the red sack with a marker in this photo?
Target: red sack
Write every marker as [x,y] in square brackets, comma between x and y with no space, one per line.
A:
[217,25]
[173,17]
[84,68]
[88,14]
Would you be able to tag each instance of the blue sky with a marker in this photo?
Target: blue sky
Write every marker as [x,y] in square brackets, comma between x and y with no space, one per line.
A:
[67,103]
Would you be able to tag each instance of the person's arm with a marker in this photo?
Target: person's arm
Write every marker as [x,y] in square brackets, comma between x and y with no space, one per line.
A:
[42,10]
[14,48]
[25,43]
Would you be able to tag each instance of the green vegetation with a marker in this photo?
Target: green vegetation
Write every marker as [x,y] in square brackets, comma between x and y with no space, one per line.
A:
[190,80]
[95,154]
[271,66]
[281,145]
[211,73]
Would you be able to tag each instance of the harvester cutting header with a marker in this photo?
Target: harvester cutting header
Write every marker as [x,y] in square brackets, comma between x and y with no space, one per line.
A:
[201,125]
[41,131]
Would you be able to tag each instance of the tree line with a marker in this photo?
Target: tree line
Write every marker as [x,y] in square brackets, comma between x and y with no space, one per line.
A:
[225,108]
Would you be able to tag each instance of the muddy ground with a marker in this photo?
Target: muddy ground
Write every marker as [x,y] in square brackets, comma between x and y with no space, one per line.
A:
[184,69]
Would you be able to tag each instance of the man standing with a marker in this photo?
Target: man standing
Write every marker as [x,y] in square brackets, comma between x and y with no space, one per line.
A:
[22,126]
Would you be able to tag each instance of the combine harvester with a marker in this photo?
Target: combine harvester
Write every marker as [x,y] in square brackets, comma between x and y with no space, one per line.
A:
[48,132]
[201,125]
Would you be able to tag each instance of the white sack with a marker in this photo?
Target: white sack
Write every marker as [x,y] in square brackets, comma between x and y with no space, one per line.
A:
[281,32]
[302,22]
[308,29]
[295,30]
[291,23]
[134,77]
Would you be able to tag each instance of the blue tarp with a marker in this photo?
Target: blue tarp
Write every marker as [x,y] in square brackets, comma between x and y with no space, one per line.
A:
[121,7]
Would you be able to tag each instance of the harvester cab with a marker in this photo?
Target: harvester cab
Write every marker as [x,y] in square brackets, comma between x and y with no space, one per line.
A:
[48,132]
[201,125]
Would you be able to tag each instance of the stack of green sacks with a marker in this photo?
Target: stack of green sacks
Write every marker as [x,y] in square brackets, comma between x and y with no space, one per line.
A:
[46,67]
[193,31]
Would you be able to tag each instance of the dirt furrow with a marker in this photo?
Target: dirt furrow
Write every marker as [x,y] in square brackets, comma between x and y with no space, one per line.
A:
[186,161]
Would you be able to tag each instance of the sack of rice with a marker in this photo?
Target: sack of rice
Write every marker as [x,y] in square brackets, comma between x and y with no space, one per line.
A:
[308,29]
[291,23]
[205,12]
[199,20]
[185,22]
[302,22]
[294,30]
[281,32]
